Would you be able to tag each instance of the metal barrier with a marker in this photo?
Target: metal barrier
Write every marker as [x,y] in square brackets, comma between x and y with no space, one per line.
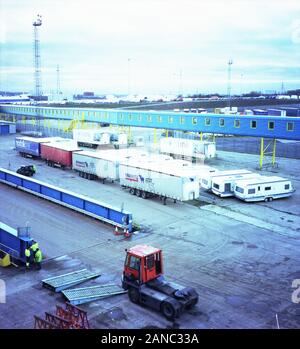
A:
[96,209]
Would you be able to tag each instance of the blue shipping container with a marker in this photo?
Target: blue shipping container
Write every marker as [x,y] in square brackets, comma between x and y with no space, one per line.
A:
[260,112]
[27,146]
[292,111]
[276,112]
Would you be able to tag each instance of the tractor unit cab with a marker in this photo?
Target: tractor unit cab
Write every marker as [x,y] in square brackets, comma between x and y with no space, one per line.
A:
[143,263]
[27,171]
[144,280]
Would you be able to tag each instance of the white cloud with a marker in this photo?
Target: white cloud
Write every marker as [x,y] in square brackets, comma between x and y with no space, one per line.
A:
[92,40]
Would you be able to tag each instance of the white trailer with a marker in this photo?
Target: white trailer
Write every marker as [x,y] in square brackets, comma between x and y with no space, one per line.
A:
[91,138]
[206,180]
[224,186]
[188,147]
[104,164]
[157,178]
[92,165]
[263,188]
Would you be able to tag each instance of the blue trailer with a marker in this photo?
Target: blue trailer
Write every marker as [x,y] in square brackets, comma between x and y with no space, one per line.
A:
[14,242]
[30,146]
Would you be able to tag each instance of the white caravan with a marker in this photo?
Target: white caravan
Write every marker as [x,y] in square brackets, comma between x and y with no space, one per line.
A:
[206,180]
[263,188]
[224,186]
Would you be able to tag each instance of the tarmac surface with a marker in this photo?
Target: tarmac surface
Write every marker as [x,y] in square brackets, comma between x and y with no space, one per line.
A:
[241,258]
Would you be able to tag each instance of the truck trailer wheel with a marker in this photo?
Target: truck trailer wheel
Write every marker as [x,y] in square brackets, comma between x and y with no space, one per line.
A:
[144,195]
[134,295]
[168,310]
[132,191]
[138,193]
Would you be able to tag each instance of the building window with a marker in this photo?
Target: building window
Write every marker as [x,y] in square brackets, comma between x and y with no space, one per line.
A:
[207,121]
[253,124]
[290,126]
[170,120]
[159,119]
[237,123]
[181,120]
[221,122]
[194,121]
[149,118]
[271,125]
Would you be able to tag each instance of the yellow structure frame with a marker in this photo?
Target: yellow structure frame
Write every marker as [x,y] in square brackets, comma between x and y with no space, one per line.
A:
[265,150]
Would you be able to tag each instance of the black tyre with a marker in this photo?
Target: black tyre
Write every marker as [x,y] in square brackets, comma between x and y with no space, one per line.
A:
[266,199]
[138,193]
[270,199]
[144,195]
[168,310]
[192,304]
[134,295]
[132,191]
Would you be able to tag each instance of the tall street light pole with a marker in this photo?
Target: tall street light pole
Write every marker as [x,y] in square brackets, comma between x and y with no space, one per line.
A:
[230,62]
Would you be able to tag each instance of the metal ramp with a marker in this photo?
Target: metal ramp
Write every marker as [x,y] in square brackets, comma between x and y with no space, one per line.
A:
[84,295]
[62,282]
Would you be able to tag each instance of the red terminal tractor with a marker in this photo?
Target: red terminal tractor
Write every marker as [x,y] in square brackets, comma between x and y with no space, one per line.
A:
[144,280]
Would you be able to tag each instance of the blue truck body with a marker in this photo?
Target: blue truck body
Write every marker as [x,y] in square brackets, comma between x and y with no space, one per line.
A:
[28,146]
[12,243]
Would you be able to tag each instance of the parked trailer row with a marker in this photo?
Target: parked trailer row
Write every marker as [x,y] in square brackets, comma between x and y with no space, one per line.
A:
[149,175]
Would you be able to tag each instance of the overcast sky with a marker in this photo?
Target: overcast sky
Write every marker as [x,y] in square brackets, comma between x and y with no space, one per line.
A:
[153,46]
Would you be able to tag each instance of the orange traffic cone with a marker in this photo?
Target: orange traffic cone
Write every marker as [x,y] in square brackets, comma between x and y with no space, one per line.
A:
[116,232]
[127,234]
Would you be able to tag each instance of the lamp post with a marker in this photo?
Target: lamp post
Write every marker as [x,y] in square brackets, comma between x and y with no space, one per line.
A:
[230,62]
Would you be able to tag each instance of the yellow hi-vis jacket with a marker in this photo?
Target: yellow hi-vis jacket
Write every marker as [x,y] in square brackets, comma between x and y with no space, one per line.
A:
[27,252]
[34,246]
[38,256]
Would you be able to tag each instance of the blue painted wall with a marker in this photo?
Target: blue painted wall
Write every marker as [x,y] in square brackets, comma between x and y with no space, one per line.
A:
[208,123]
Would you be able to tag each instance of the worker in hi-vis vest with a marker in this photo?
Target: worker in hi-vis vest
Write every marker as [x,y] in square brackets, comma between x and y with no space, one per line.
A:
[38,258]
[34,248]
[27,256]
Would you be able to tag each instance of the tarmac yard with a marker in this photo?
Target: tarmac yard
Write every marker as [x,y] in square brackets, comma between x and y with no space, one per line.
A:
[241,258]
